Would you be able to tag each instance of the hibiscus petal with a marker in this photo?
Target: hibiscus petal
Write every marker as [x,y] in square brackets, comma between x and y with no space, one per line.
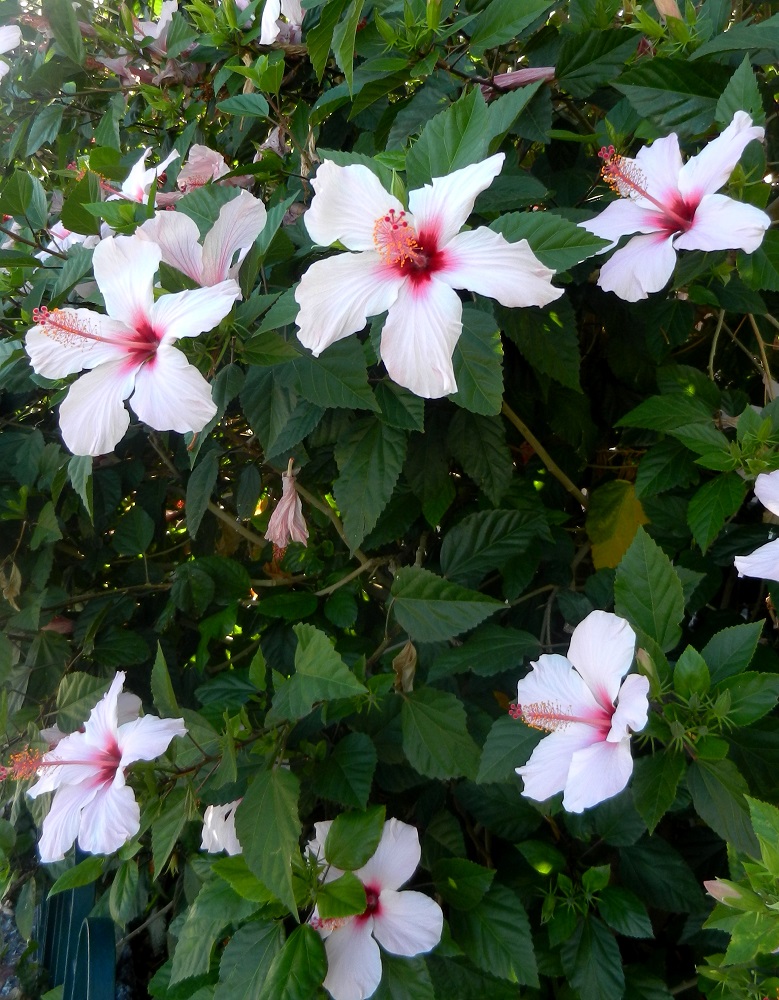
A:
[597,773]
[710,169]
[441,209]
[101,727]
[61,825]
[419,337]
[219,829]
[270,15]
[93,419]
[720,223]
[621,218]
[632,709]
[177,236]
[407,923]
[195,311]
[110,819]
[353,961]
[171,394]
[602,649]
[124,268]
[763,563]
[486,263]
[658,167]
[644,265]
[346,204]
[54,775]
[10,37]
[396,858]
[337,295]
[238,226]
[767,490]
[554,689]
[56,349]
[546,772]
[147,738]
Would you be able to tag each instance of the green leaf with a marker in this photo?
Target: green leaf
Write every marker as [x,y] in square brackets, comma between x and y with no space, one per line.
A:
[215,907]
[718,791]
[320,38]
[730,651]
[479,445]
[200,486]
[648,592]
[45,128]
[369,460]
[77,695]
[508,746]
[691,674]
[47,528]
[80,475]
[495,935]
[760,35]
[427,472]
[741,94]
[461,883]
[336,378]
[548,339]
[624,912]
[761,268]
[588,60]
[752,695]
[452,139]
[712,505]
[765,822]
[655,780]
[347,774]
[592,962]
[342,897]
[665,466]
[430,609]
[249,105]
[343,40]
[502,20]
[399,407]
[486,541]
[24,197]
[320,675]
[64,26]
[123,895]
[489,650]
[557,242]
[134,532]
[613,517]
[673,94]
[247,959]
[436,740]
[298,969]
[166,828]
[353,838]
[85,872]
[236,873]
[478,364]
[403,978]
[268,830]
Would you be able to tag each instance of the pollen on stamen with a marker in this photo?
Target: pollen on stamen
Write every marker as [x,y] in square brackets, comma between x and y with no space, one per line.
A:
[395,239]
[63,326]
[544,715]
[24,764]
[330,923]
[621,174]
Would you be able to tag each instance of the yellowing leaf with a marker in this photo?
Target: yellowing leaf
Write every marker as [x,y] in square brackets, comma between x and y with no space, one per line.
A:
[614,516]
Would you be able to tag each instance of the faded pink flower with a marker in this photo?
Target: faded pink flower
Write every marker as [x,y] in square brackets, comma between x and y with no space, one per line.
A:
[589,713]
[274,29]
[85,771]
[202,165]
[674,207]
[156,30]
[287,523]
[137,184]
[404,923]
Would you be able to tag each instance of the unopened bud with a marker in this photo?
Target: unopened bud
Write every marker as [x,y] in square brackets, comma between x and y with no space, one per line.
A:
[731,894]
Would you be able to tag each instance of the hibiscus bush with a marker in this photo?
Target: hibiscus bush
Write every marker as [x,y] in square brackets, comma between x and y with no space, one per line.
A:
[390,467]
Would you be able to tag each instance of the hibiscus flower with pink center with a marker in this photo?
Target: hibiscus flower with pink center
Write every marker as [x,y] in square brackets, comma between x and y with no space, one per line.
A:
[411,265]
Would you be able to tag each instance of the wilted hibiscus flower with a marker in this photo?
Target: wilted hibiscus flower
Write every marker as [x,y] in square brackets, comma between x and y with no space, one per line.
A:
[130,351]
[219,829]
[675,207]
[86,773]
[411,265]
[588,711]
[404,923]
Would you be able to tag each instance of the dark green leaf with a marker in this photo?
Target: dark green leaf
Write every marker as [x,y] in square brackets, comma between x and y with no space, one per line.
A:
[453,139]
[588,60]
[298,969]
[712,505]
[752,696]
[648,592]
[495,935]
[486,541]
[508,746]
[490,650]
[478,364]
[251,105]
[556,242]
[246,960]
[624,912]
[502,20]
[347,774]
[353,838]
[200,486]
[62,21]
[655,780]
[336,378]
[592,962]
[730,651]
[430,608]
[342,897]
[461,883]
[436,740]
[718,791]
[675,95]
[479,445]
[548,339]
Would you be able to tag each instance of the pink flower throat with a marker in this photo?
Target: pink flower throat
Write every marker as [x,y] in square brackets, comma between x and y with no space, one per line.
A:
[625,178]
[414,255]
